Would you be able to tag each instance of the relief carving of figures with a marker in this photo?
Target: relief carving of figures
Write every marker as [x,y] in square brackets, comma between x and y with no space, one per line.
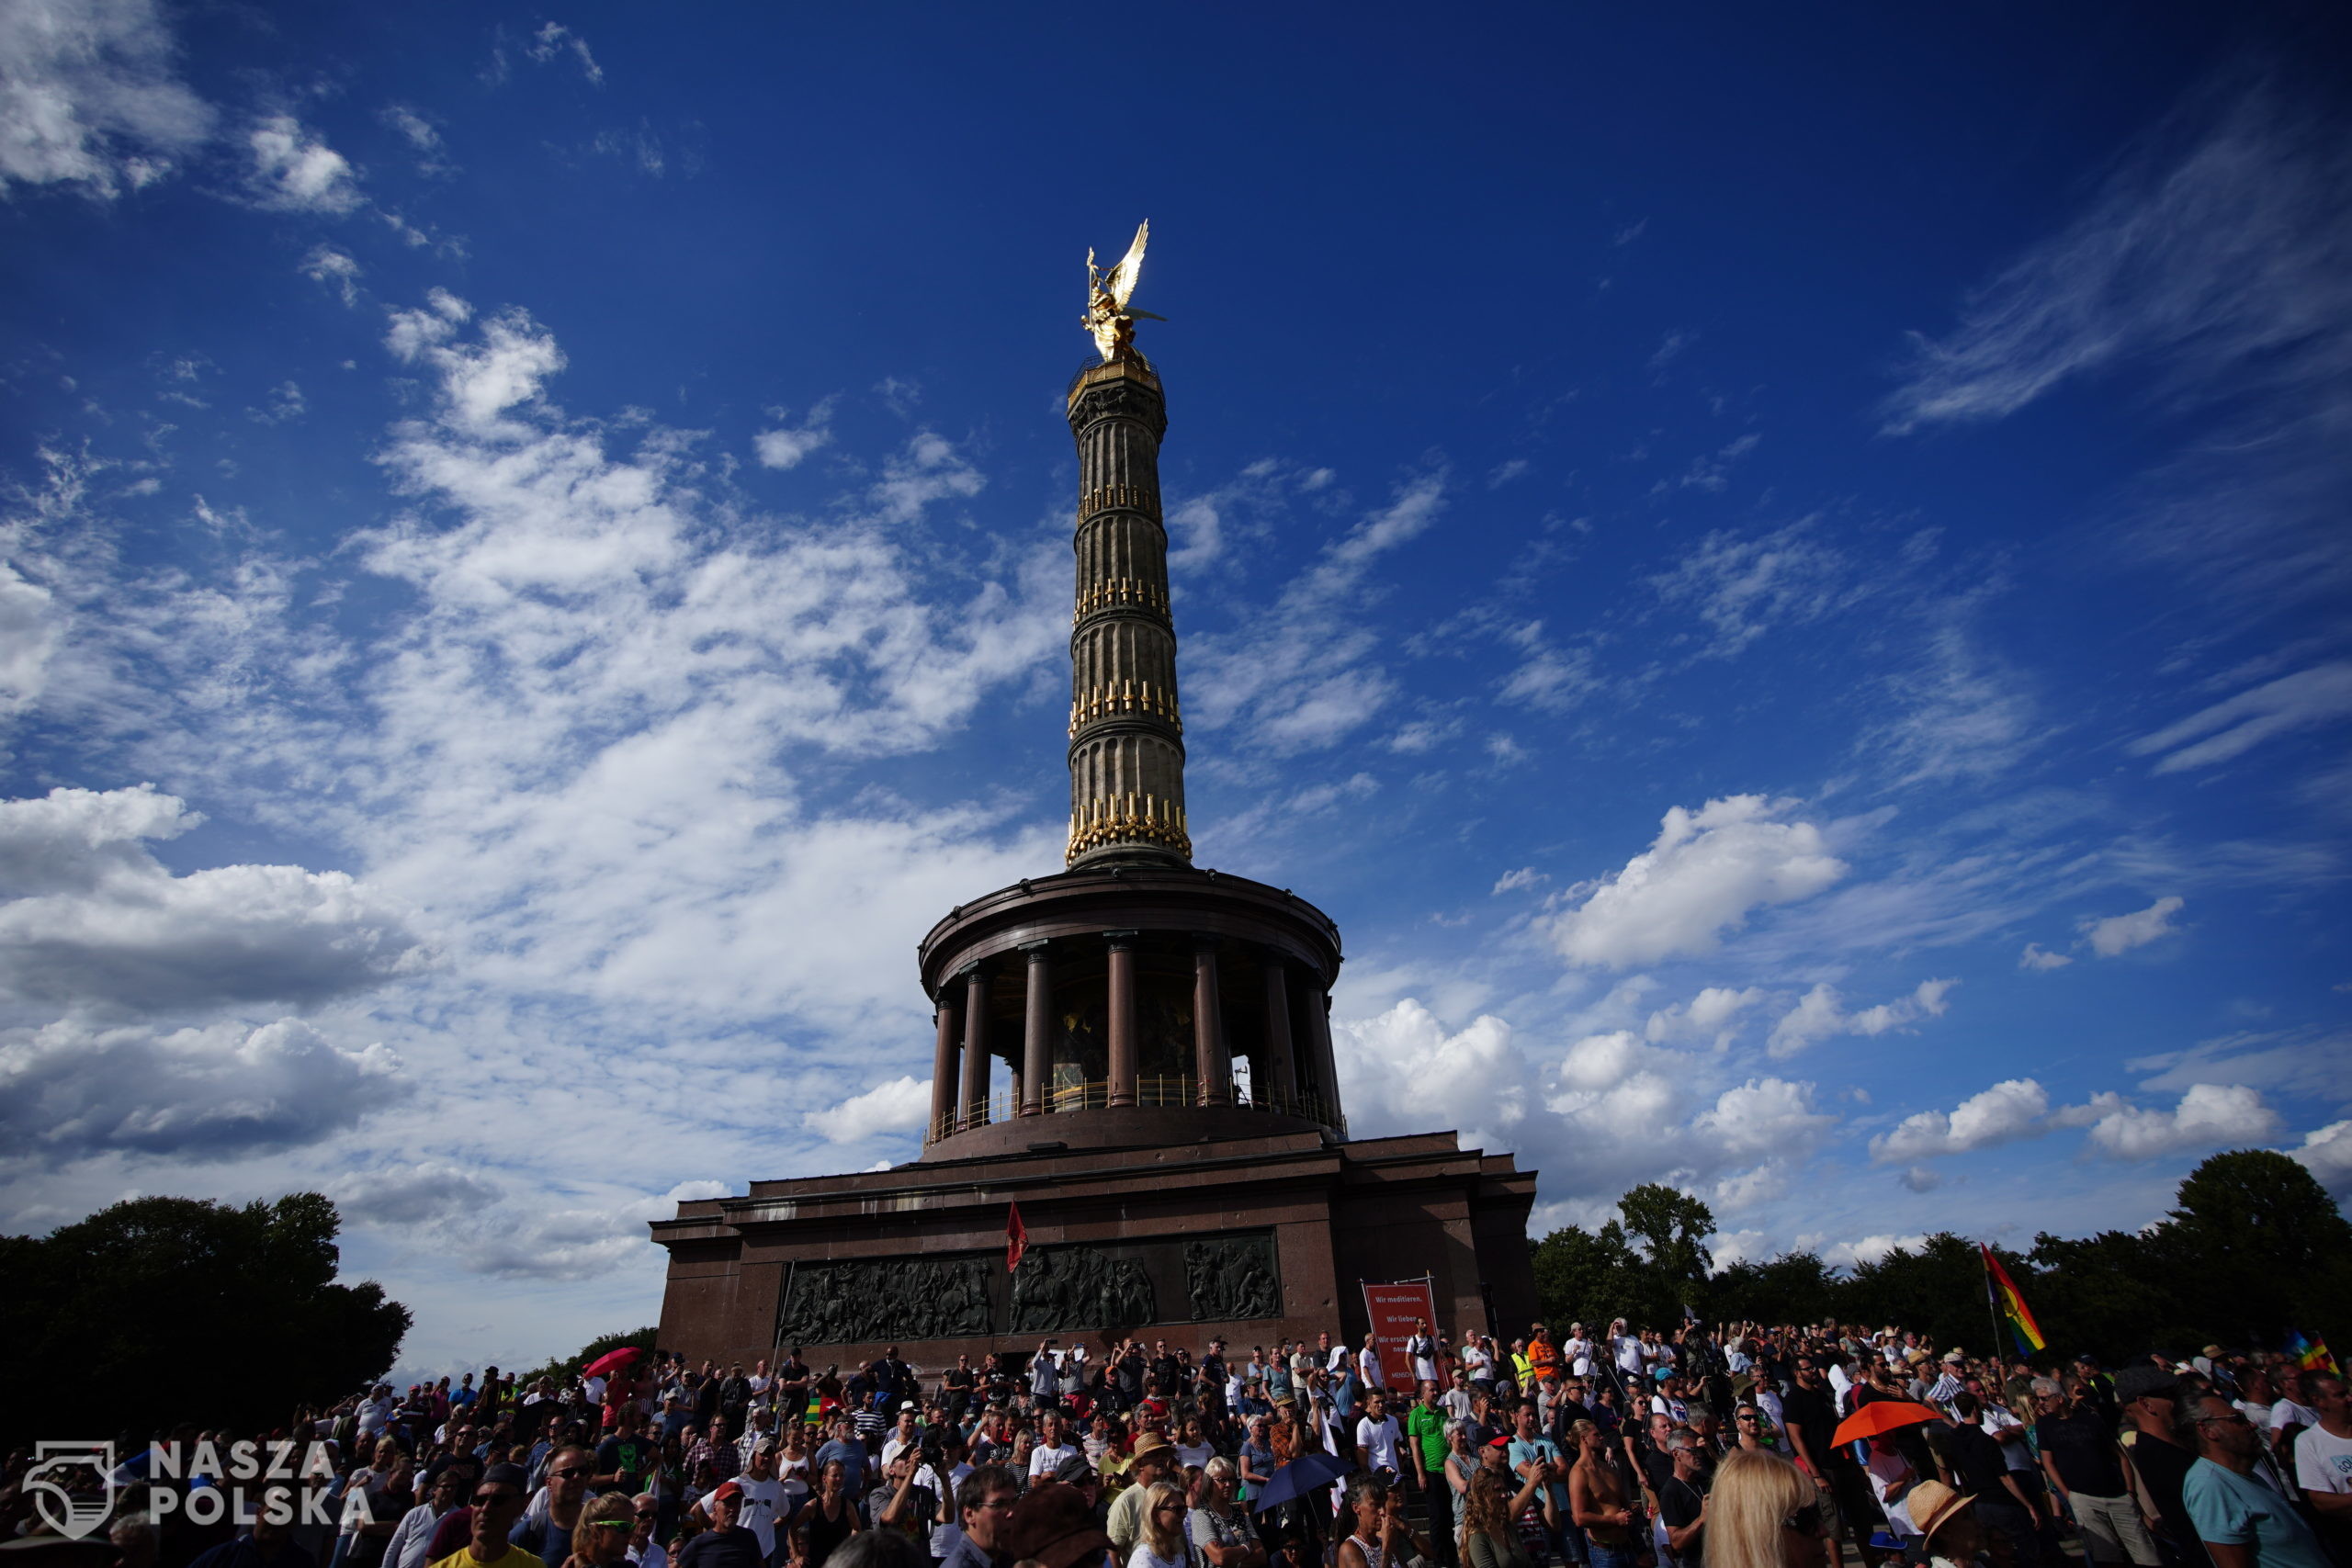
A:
[835,1304]
[1232,1278]
[1077,1287]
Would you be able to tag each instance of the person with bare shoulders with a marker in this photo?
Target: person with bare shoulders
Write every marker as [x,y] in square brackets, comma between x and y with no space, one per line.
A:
[1597,1500]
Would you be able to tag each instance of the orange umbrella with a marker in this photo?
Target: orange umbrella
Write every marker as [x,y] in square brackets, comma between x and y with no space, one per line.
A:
[1882,1415]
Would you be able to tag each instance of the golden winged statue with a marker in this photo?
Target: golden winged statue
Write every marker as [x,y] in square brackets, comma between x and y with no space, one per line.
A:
[1108,316]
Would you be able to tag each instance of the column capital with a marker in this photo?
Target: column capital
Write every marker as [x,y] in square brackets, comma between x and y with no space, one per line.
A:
[1036,950]
[1121,939]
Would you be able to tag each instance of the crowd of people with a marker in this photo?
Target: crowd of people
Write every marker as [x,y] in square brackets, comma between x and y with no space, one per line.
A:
[1609,1447]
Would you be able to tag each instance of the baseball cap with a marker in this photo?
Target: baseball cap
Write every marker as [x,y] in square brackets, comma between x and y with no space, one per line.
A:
[2139,1383]
[726,1489]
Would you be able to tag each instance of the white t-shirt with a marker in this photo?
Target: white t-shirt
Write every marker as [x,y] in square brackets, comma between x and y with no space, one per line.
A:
[1368,1368]
[757,1510]
[1378,1441]
[1194,1453]
[1043,1461]
[895,1445]
[1628,1351]
[1886,1471]
[2009,1432]
[2287,1413]
[2323,1461]
[1476,1361]
[1579,1355]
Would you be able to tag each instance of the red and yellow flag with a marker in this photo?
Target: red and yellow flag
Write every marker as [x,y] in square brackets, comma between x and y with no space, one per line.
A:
[2011,1303]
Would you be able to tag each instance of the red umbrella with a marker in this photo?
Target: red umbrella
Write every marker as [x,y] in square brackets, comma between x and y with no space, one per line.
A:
[612,1360]
[1882,1415]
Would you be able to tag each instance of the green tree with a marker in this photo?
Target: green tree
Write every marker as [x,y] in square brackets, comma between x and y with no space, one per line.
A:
[1796,1287]
[1672,1227]
[1582,1276]
[562,1372]
[2105,1293]
[1937,1287]
[170,1309]
[2253,1248]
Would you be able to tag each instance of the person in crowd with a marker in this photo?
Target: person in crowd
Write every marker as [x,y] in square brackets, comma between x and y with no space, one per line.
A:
[553,1514]
[1150,1463]
[2243,1522]
[2322,1468]
[985,1502]
[601,1539]
[1598,1502]
[494,1514]
[1682,1503]
[645,1548]
[1764,1511]
[413,1534]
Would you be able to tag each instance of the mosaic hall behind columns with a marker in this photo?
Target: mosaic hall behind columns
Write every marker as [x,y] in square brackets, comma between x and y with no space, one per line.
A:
[1088,1024]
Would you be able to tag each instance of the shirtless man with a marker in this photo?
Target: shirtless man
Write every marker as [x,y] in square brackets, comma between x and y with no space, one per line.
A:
[1597,1500]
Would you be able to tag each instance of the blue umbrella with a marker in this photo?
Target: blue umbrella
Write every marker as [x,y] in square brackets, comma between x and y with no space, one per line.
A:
[1299,1477]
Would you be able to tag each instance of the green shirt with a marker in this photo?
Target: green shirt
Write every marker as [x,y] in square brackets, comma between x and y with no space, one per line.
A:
[1426,1425]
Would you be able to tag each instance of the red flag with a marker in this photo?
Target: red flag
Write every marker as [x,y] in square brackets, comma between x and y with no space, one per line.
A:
[1016,1239]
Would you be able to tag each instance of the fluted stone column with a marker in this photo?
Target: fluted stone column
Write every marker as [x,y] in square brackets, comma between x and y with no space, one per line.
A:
[1327,1065]
[974,1111]
[1278,1065]
[1127,748]
[1123,1016]
[1212,1062]
[1037,1030]
[943,1067]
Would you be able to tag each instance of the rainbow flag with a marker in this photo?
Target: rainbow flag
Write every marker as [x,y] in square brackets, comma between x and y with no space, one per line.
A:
[2311,1352]
[2011,1304]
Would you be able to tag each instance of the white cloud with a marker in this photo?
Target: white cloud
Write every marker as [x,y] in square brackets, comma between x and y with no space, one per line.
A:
[88,917]
[2326,1152]
[69,1088]
[1922,1179]
[2208,1116]
[1511,881]
[1713,472]
[899,1106]
[1705,873]
[2011,1110]
[29,632]
[1743,587]
[293,169]
[2210,267]
[929,471]
[1307,673]
[1711,1013]
[2309,698]
[1404,1073]
[1869,1249]
[1548,679]
[2121,933]
[785,447]
[555,39]
[419,131]
[412,1194]
[333,269]
[1820,1014]
[88,97]
[2040,959]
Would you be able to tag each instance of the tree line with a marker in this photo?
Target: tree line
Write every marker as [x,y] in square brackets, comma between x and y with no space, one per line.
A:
[2252,1249]
[162,1310]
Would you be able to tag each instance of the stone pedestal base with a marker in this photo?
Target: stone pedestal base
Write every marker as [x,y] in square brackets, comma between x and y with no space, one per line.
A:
[1254,1239]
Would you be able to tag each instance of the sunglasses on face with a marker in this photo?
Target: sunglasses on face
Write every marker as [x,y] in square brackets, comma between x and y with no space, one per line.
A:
[571,1472]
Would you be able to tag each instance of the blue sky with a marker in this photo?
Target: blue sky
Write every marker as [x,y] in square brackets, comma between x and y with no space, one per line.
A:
[1782,576]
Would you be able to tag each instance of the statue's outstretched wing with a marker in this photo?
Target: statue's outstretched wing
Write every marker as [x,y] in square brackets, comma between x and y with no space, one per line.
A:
[1130,268]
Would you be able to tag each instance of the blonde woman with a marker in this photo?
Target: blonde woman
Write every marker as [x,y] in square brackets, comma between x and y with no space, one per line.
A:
[601,1538]
[1763,1512]
[1161,1542]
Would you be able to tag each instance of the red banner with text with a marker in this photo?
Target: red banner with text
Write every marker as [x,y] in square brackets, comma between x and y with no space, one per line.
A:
[1394,1310]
